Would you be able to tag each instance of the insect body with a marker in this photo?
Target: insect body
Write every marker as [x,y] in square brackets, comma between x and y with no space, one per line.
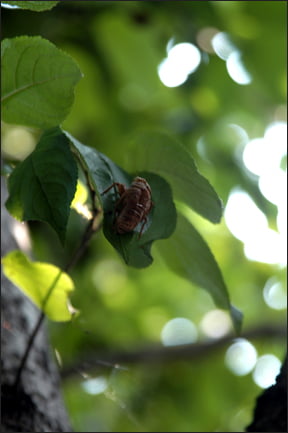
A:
[133,205]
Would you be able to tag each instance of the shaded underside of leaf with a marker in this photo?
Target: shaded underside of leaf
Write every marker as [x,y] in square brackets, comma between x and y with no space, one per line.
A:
[187,254]
[37,280]
[164,155]
[37,82]
[43,185]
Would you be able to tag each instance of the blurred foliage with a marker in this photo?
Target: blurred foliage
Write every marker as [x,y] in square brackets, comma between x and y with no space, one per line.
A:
[118,46]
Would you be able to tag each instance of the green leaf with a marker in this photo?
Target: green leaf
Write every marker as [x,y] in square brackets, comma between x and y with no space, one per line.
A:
[161,220]
[43,185]
[47,286]
[187,254]
[161,223]
[165,156]
[38,82]
[36,6]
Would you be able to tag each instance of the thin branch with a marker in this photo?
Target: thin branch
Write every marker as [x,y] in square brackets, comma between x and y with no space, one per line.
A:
[160,354]
[93,226]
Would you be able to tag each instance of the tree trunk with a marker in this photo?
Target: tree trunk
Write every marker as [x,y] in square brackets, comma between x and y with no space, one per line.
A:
[270,414]
[35,405]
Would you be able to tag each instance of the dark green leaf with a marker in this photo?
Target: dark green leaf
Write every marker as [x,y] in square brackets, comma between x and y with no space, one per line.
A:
[165,156]
[160,222]
[188,255]
[43,185]
[38,82]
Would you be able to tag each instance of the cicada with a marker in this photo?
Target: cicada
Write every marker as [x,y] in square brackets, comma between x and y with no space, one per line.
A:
[133,205]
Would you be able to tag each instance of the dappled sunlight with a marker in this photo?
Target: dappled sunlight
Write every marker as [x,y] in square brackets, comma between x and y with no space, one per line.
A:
[274,294]
[21,234]
[17,141]
[250,225]
[182,59]
[266,369]
[96,385]
[179,331]
[241,357]
[237,70]
[228,52]
[216,323]
[222,45]
[262,156]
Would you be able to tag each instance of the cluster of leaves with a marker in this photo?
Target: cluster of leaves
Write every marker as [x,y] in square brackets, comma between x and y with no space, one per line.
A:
[38,83]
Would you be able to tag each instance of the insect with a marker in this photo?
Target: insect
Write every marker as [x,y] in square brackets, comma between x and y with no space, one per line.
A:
[133,206]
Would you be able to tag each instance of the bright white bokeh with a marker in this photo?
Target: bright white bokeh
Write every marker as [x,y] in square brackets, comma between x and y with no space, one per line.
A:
[216,323]
[227,51]
[237,70]
[274,294]
[264,154]
[8,6]
[266,370]
[249,224]
[242,216]
[241,357]
[179,331]
[222,45]
[182,59]
[95,386]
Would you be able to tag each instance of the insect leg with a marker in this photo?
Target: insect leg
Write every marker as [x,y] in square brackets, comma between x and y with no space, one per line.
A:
[142,227]
[120,187]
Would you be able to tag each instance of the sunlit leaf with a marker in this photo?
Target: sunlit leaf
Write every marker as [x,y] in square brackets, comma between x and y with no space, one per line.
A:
[187,254]
[38,82]
[43,185]
[165,156]
[46,285]
[36,6]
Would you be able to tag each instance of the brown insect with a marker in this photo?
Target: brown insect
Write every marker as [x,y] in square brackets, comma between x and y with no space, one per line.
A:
[133,206]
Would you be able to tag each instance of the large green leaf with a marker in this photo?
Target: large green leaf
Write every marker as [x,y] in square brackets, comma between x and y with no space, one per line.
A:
[160,153]
[161,220]
[160,223]
[38,82]
[36,6]
[187,254]
[43,185]
[46,285]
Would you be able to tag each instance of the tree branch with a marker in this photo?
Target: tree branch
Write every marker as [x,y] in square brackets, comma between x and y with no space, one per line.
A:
[155,354]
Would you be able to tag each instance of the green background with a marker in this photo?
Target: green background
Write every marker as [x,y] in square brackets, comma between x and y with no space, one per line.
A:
[118,46]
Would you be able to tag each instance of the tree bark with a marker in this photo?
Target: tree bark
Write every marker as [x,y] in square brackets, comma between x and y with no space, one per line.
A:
[270,413]
[35,404]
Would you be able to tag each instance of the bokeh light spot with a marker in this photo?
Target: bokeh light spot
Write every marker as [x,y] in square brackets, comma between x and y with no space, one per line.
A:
[179,331]
[182,60]
[237,70]
[216,323]
[274,294]
[266,369]
[95,386]
[241,357]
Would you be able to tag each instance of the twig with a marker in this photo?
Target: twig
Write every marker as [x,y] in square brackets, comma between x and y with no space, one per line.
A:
[93,226]
[159,354]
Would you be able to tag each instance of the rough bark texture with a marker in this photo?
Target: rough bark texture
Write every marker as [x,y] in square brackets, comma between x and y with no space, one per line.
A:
[36,404]
[270,413]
